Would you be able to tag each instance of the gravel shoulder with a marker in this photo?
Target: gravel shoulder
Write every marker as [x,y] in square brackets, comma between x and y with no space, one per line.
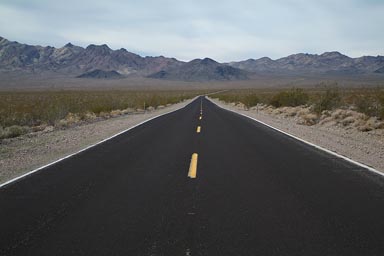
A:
[364,147]
[25,153]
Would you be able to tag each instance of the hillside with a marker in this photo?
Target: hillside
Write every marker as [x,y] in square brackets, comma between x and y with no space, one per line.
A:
[326,63]
[201,70]
[73,61]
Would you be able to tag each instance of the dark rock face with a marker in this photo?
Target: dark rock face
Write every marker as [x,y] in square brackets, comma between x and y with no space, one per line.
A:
[162,74]
[101,74]
[380,70]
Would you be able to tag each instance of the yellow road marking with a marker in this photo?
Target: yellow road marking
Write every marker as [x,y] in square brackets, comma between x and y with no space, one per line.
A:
[198,130]
[200,117]
[193,166]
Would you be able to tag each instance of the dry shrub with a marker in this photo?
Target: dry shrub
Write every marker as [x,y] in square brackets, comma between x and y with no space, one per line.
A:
[330,106]
[116,112]
[70,120]
[258,107]
[371,124]
[127,111]
[348,120]
[13,131]
[288,111]
[269,109]
[240,105]
[88,116]
[49,128]
[39,128]
[308,119]
[340,114]
[105,115]
[304,111]
[327,121]
[276,111]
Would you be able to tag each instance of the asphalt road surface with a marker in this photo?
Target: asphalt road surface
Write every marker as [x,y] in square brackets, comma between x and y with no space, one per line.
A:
[249,190]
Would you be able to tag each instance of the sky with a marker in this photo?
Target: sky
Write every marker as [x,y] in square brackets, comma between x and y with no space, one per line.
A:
[225,30]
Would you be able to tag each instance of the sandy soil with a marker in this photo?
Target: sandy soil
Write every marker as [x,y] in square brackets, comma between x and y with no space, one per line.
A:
[25,153]
[366,147]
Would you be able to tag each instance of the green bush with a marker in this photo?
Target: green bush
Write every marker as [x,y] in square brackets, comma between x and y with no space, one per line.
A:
[292,98]
[250,100]
[367,104]
[13,131]
[328,100]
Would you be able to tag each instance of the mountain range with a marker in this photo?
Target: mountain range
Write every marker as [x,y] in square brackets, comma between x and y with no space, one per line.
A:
[99,61]
[326,63]
[201,70]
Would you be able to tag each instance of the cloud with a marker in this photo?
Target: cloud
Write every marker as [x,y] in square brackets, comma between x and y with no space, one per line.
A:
[186,29]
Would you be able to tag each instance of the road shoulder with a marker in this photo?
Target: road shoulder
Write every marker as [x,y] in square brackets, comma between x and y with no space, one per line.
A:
[363,147]
[23,154]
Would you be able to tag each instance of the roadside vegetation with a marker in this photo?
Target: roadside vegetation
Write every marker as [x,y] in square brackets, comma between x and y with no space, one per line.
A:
[26,111]
[362,107]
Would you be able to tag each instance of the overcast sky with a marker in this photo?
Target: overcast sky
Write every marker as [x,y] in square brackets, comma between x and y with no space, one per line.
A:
[224,30]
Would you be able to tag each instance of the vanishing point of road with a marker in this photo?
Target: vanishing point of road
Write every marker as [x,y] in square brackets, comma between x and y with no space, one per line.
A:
[197,181]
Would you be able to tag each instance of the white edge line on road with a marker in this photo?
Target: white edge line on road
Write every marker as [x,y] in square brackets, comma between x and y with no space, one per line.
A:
[91,146]
[306,142]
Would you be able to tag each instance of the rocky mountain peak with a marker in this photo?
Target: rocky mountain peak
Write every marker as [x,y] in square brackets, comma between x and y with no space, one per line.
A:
[204,62]
[265,59]
[208,61]
[68,45]
[333,54]
[3,40]
[98,49]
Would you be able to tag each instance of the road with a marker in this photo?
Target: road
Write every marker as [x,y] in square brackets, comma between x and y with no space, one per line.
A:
[249,190]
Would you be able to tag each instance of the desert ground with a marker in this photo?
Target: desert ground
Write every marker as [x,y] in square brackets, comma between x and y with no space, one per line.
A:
[30,141]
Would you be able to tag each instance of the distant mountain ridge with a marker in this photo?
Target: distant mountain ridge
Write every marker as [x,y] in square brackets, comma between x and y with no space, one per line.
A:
[201,70]
[326,63]
[75,60]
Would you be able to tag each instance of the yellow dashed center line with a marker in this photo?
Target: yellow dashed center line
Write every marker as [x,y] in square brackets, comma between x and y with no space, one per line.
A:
[193,166]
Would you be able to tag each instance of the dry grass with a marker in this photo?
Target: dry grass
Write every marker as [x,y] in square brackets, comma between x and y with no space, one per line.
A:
[359,108]
[25,111]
